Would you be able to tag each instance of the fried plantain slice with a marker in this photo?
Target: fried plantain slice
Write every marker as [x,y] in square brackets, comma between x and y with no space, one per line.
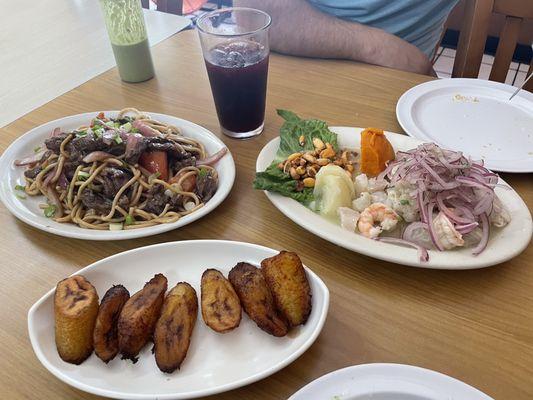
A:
[75,310]
[256,298]
[174,328]
[286,278]
[221,308]
[105,335]
[138,317]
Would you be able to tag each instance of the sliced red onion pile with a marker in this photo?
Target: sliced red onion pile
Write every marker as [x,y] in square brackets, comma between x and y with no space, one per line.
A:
[447,182]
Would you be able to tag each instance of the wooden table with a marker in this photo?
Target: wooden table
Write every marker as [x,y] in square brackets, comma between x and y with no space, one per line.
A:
[474,325]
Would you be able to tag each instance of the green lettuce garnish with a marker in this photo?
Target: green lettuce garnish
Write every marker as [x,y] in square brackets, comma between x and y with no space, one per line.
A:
[275,180]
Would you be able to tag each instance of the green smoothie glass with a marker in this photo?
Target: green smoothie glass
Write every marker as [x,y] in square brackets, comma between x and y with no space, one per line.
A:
[124,20]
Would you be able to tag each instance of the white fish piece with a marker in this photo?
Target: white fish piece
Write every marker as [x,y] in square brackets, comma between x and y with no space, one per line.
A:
[361,184]
[363,201]
[500,215]
[348,217]
[446,234]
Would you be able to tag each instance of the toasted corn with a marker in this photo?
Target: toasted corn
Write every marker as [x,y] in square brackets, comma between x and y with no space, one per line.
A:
[294,174]
[322,161]
[301,140]
[309,182]
[319,144]
[294,156]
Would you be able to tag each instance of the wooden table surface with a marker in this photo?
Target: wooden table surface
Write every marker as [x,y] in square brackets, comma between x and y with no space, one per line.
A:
[475,325]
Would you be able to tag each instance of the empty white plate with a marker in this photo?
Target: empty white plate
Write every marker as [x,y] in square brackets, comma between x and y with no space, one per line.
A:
[28,210]
[387,382]
[504,243]
[474,116]
[215,362]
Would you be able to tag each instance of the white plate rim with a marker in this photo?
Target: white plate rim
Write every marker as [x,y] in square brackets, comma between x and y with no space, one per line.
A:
[7,158]
[416,374]
[217,390]
[372,248]
[407,100]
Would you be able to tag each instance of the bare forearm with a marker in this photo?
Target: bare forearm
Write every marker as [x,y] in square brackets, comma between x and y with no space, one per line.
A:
[299,29]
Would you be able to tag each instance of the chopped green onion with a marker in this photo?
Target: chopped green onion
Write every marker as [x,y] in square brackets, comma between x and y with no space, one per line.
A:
[115,226]
[118,139]
[110,124]
[20,187]
[37,149]
[129,220]
[203,172]
[404,202]
[134,130]
[82,176]
[49,211]
[81,133]
[98,132]
[127,126]
[20,196]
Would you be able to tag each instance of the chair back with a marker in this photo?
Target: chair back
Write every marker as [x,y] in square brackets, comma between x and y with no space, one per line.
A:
[474,35]
[168,6]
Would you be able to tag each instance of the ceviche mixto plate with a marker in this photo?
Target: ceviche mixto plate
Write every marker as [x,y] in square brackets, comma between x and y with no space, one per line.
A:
[354,185]
[115,175]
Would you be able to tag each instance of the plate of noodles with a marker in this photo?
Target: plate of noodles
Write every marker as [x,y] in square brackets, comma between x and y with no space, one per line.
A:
[115,175]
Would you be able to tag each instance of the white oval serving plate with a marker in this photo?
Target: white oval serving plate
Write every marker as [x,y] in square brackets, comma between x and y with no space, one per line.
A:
[387,382]
[503,245]
[215,362]
[474,116]
[28,210]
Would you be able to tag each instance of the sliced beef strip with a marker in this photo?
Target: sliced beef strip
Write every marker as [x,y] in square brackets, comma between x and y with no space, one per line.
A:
[113,179]
[79,147]
[33,172]
[177,163]
[156,200]
[54,143]
[100,203]
[206,186]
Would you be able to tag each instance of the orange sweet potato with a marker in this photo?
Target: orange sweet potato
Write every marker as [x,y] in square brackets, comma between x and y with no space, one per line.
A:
[376,151]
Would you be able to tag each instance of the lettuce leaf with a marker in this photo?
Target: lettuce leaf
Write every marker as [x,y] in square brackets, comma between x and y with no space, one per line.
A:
[275,180]
[294,127]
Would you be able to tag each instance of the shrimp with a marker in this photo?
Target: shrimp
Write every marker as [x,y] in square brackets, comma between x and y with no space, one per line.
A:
[447,235]
[377,212]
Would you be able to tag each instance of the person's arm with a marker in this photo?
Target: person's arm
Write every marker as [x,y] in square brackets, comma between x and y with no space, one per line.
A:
[299,29]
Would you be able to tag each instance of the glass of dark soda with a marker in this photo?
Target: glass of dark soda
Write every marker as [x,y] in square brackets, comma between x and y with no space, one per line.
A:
[235,47]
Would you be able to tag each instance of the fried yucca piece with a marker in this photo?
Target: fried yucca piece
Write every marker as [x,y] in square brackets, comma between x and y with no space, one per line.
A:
[138,317]
[174,328]
[221,308]
[105,335]
[256,298]
[286,278]
[75,310]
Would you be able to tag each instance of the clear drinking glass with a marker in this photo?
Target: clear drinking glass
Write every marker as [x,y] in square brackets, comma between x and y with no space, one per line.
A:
[124,20]
[235,47]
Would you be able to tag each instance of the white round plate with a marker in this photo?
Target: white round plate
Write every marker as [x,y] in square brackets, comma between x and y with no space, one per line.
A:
[504,243]
[28,210]
[215,362]
[474,116]
[387,382]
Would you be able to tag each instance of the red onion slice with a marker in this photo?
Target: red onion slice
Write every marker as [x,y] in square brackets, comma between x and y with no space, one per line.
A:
[97,156]
[146,130]
[213,158]
[422,252]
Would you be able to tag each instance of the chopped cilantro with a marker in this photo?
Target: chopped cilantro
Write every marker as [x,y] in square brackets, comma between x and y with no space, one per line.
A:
[20,187]
[404,202]
[49,211]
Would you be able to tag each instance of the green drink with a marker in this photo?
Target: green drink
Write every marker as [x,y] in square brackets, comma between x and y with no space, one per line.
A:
[127,32]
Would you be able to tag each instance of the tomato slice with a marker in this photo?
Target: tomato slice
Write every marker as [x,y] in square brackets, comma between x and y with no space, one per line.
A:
[154,162]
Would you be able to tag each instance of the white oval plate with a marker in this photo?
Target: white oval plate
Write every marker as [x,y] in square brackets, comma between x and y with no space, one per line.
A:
[504,244]
[387,382]
[215,362]
[28,210]
[481,121]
